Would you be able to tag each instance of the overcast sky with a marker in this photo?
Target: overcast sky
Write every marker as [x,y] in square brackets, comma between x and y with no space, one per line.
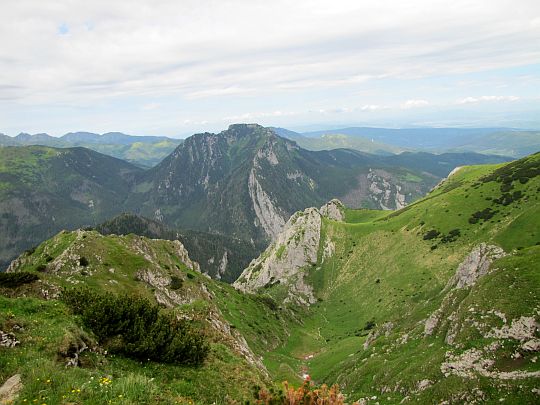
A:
[177,67]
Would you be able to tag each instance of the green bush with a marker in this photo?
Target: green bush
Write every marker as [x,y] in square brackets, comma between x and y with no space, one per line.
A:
[176,283]
[13,280]
[452,236]
[431,234]
[137,328]
[485,214]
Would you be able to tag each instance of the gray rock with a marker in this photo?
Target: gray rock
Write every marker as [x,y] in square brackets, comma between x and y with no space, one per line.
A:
[284,261]
[475,265]
[9,392]
[333,209]
[8,339]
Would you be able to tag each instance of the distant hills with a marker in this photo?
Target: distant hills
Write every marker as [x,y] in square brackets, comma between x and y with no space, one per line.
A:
[495,141]
[144,151]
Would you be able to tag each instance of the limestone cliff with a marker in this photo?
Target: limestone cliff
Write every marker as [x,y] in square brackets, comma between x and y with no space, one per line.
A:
[294,250]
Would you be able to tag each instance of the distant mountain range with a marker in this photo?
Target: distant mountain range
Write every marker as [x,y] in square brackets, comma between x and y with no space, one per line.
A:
[143,151]
[495,141]
[243,183]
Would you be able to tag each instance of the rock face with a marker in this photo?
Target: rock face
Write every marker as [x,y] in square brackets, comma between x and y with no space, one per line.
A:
[9,392]
[522,329]
[286,259]
[8,339]
[384,193]
[268,215]
[475,265]
[334,209]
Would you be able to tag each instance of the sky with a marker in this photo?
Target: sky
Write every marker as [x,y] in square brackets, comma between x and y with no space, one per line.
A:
[177,67]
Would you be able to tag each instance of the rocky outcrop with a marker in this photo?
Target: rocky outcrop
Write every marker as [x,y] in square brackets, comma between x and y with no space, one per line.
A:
[522,329]
[286,259]
[8,339]
[475,265]
[385,329]
[268,214]
[334,209]
[384,192]
[474,362]
[9,391]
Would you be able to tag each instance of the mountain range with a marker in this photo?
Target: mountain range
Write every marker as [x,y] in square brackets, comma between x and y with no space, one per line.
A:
[243,183]
[143,151]
[437,302]
[384,141]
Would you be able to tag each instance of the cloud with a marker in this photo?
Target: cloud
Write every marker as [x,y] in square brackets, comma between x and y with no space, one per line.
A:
[474,100]
[372,107]
[203,49]
[414,104]
[244,55]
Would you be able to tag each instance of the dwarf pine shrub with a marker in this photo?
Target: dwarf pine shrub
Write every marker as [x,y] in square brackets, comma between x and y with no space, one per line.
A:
[135,327]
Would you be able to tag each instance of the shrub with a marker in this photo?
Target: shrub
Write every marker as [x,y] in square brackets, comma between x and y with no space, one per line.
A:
[485,214]
[41,267]
[507,198]
[269,302]
[452,236]
[176,283]
[369,325]
[136,328]
[431,234]
[13,280]
[83,261]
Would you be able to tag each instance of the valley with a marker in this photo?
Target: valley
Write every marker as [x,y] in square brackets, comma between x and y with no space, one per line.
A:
[424,304]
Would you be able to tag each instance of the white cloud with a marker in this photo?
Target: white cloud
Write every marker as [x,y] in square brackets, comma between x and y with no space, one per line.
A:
[414,104]
[204,49]
[260,55]
[372,107]
[474,100]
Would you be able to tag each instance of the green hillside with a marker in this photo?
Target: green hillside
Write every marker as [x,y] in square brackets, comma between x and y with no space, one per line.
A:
[436,302]
[44,190]
[237,327]
[390,273]
[506,143]
[219,256]
[143,151]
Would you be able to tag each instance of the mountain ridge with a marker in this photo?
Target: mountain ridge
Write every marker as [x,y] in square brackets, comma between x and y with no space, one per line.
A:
[421,304]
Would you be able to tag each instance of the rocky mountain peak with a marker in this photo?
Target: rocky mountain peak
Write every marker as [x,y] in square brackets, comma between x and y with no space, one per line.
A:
[294,249]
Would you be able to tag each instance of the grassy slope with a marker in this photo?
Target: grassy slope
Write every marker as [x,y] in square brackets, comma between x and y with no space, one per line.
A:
[48,325]
[383,270]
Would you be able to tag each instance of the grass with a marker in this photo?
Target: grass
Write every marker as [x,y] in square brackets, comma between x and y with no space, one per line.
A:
[104,378]
[383,270]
